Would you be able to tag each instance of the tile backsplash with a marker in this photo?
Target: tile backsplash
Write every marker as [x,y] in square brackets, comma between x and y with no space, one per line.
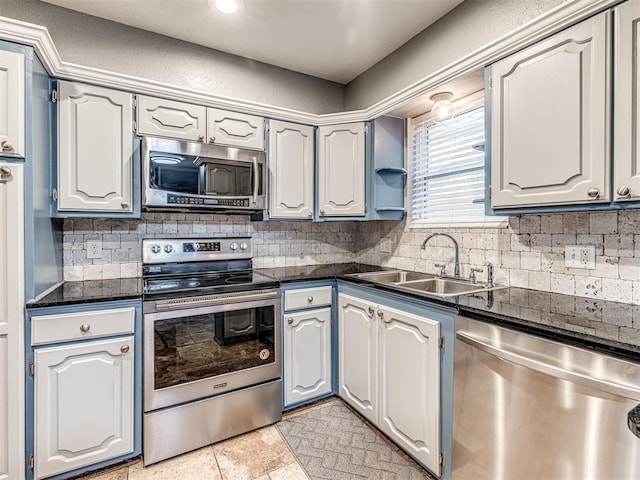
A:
[529,253]
[276,244]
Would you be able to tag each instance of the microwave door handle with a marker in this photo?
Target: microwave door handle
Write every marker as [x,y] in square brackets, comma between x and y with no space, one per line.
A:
[256,180]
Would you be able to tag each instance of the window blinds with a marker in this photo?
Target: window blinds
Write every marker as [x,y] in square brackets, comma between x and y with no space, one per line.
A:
[448,172]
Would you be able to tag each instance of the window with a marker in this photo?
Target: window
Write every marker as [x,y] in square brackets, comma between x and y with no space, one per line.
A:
[447,174]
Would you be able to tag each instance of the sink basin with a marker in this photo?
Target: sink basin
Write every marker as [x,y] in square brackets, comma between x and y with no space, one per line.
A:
[393,276]
[443,287]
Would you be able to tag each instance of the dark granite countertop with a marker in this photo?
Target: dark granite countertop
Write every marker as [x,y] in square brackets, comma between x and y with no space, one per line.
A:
[608,326]
[91,291]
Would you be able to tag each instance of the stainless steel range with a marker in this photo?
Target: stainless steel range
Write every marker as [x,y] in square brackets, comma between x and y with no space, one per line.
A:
[212,348]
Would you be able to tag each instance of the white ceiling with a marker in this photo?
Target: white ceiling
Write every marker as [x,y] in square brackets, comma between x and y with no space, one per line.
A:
[332,39]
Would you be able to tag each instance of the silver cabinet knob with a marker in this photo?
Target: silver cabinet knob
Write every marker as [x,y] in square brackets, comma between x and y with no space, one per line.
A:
[201,138]
[371,311]
[124,348]
[212,139]
[85,327]
[125,204]
[321,212]
[5,171]
[310,215]
[624,191]
[156,248]
[309,299]
[6,146]
[593,192]
[290,321]
[380,313]
[168,248]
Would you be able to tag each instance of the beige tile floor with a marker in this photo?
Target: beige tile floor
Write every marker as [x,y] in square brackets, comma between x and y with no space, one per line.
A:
[258,455]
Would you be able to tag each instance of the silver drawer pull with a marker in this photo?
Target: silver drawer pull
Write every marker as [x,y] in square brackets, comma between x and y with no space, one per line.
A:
[5,171]
[624,191]
[290,321]
[85,327]
[6,145]
[593,192]
[310,299]
[125,204]
[124,348]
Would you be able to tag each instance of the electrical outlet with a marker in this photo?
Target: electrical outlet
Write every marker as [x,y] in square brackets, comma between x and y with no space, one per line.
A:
[580,256]
[94,248]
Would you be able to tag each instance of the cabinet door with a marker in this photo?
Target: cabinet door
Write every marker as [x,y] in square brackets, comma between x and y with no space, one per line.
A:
[341,172]
[307,355]
[626,156]
[11,104]
[95,149]
[11,326]
[409,408]
[550,120]
[291,154]
[235,129]
[83,404]
[166,118]
[358,355]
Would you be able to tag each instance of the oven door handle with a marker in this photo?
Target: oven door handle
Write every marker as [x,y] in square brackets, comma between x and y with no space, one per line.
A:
[213,300]
[256,180]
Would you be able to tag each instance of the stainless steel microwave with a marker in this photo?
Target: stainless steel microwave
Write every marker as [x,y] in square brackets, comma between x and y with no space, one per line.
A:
[193,176]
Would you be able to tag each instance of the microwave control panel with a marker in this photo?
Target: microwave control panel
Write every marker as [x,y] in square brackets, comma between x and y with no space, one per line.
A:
[219,202]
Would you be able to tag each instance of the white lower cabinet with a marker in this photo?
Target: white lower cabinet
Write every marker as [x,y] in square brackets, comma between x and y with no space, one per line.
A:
[84,404]
[390,373]
[307,355]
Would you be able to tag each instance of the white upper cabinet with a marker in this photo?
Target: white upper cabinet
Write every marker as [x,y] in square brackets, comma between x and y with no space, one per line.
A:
[95,149]
[12,143]
[83,404]
[235,129]
[626,182]
[341,170]
[291,181]
[307,355]
[550,119]
[409,398]
[166,118]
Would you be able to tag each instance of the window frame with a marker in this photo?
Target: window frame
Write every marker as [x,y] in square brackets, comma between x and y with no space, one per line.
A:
[463,105]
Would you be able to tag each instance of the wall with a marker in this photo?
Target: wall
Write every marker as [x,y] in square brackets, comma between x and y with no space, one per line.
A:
[276,244]
[99,43]
[468,27]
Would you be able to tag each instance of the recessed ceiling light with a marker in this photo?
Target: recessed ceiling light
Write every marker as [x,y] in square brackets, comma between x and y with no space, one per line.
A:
[227,6]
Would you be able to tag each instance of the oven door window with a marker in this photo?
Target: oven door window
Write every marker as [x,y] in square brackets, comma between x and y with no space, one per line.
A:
[204,346]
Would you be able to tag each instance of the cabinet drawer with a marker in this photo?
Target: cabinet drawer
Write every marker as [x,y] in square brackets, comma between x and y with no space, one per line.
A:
[73,326]
[307,297]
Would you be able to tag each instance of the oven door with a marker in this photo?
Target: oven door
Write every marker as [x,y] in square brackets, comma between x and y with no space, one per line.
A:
[203,346]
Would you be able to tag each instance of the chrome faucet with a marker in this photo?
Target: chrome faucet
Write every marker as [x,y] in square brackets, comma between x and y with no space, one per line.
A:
[456,268]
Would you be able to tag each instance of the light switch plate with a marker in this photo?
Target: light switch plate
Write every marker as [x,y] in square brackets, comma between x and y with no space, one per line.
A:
[94,248]
[580,256]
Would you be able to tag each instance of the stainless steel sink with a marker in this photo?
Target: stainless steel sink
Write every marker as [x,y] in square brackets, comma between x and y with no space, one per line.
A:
[443,287]
[393,276]
[425,283]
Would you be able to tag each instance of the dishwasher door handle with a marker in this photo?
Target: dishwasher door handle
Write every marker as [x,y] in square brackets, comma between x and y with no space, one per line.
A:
[553,370]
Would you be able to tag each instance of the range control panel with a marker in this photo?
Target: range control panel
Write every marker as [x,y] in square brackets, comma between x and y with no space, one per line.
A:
[219,202]
[158,250]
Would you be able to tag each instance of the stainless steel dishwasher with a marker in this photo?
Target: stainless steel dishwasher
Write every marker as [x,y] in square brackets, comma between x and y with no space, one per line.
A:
[525,407]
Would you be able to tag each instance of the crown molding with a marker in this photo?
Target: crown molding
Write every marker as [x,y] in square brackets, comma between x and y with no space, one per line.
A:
[554,20]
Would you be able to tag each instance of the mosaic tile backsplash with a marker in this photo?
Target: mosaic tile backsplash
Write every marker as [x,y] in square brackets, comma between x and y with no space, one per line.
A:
[529,253]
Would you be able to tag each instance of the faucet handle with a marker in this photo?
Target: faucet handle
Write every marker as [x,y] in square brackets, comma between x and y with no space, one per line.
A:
[442,267]
[472,273]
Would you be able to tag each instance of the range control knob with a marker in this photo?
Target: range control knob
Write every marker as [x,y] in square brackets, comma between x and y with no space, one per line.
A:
[156,248]
[168,248]
[244,246]
[233,246]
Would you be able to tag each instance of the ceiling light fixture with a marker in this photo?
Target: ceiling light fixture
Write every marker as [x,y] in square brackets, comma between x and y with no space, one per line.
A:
[227,6]
[443,108]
